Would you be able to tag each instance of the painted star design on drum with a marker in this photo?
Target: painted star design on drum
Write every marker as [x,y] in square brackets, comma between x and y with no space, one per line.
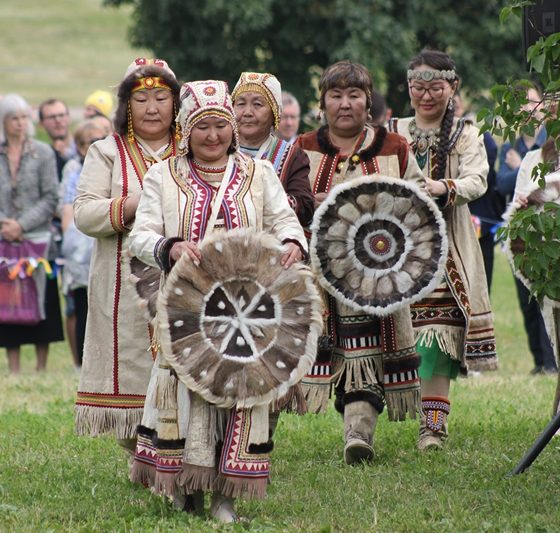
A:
[241,326]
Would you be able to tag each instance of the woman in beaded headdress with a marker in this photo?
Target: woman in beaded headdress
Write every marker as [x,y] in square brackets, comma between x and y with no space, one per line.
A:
[179,442]
[367,351]
[117,360]
[257,102]
[454,326]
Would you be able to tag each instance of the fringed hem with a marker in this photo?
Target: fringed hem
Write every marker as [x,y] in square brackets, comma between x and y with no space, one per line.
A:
[142,473]
[449,340]
[165,483]
[357,373]
[316,396]
[98,421]
[241,487]
[401,403]
[292,402]
[194,477]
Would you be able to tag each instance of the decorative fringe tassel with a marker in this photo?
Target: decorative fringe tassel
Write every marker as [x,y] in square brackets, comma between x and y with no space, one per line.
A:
[97,421]
[293,401]
[316,394]
[450,341]
[399,404]
[357,373]
[193,477]
[142,473]
[165,483]
[245,488]
[166,389]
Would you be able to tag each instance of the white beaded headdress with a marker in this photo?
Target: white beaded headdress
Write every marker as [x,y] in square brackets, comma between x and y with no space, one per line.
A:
[200,100]
[265,84]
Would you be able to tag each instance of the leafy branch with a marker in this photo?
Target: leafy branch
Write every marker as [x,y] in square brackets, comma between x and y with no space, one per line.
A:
[534,233]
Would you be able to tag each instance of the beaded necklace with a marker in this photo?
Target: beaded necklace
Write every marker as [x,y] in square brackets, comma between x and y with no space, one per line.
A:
[212,175]
[423,140]
[353,159]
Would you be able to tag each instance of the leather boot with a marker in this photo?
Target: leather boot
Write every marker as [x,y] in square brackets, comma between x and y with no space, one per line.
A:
[360,419]
[433,423]
[221,508]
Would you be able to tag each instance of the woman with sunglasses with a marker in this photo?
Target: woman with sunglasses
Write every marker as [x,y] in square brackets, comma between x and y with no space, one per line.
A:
[454,325]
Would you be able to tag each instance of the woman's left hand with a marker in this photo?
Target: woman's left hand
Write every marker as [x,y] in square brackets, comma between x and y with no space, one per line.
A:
[11,230]
[435,188]
[291,255]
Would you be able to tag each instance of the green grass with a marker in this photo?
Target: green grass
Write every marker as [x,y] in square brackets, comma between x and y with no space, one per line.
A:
[50,480]
[62,48]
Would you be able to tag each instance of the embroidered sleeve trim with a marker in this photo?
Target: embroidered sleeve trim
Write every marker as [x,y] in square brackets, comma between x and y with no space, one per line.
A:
[116,215]
[451,193]
[162,251]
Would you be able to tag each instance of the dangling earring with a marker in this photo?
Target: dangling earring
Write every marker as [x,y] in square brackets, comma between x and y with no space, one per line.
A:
[450,105]
[177,125]
[130,129]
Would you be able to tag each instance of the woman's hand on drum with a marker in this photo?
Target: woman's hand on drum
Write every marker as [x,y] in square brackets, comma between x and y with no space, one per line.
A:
[320,198]
[436,188]
[185,247]
[291,255]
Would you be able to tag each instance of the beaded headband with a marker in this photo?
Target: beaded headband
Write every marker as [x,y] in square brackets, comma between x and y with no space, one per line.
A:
[149,82]
[430,75]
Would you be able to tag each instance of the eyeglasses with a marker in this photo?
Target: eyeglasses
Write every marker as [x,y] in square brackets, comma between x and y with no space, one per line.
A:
[418,91]
[58,116]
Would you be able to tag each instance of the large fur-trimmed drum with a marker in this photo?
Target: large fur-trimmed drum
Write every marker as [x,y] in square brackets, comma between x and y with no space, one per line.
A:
[239,329]
[378,243]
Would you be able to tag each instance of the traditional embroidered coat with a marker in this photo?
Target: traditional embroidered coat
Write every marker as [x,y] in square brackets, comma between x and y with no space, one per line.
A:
[374,357]
[117,357]
[180,431]
[465,177]
[291,164]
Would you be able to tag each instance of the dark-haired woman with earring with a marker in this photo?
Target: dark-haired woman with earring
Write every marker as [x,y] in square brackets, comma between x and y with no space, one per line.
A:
[454,325]
[117,356]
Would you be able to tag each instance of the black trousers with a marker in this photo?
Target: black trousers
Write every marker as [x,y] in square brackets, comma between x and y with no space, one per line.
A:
[539,343]
[487,247]
[81,307]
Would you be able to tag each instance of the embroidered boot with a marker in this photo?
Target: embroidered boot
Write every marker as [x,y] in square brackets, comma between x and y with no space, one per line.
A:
[360,419]
[433,422]
[221,508]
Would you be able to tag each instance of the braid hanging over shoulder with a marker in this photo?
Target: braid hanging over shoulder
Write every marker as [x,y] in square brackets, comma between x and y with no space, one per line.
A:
[443,144]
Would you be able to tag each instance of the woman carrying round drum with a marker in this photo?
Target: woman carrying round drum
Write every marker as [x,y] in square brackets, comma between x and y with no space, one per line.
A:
[188,439]
[374,360]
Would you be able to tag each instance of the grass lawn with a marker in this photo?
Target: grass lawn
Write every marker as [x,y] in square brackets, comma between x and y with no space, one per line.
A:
[62,48]
[50,480]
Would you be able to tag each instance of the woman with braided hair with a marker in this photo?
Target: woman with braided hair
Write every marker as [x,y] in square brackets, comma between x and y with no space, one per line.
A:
[454,325]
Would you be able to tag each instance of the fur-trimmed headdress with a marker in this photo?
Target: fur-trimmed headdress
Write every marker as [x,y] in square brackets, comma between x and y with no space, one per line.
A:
[265,84]
[203,99]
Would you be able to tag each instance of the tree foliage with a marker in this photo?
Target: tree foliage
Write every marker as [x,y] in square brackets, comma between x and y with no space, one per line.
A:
[539,230]
[296,39]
